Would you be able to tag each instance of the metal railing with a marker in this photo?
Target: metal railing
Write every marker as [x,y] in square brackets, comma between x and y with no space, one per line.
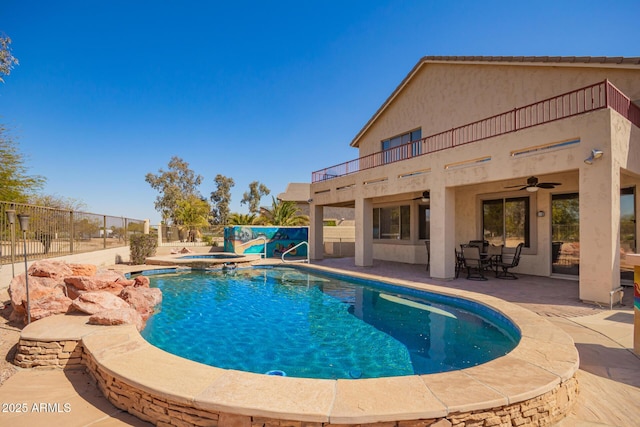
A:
[590,98]
[190,235]
[294,248]
[56,232]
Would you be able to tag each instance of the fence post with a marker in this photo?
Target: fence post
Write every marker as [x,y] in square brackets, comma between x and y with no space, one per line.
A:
[104,232]
[126,231]
[71,232]
[160,234]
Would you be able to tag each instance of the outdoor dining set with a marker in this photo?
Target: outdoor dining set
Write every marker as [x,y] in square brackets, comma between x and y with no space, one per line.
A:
[479,257]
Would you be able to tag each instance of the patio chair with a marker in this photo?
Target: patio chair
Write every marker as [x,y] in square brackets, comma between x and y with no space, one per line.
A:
[494,255]
[506,266]
[474,263]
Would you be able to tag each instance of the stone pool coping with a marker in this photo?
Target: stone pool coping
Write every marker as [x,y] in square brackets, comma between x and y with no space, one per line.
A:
[538,376]
[177,260]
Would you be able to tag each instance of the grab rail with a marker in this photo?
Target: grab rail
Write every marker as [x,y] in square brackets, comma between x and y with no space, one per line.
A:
[264,254]
[291,249]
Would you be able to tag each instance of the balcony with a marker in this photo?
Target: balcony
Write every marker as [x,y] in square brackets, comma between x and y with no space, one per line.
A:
[587,99]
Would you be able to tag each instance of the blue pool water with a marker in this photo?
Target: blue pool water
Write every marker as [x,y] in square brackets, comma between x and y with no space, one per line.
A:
[287,321]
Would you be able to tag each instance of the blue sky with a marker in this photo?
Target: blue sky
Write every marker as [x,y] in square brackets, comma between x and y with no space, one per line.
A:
[254,90]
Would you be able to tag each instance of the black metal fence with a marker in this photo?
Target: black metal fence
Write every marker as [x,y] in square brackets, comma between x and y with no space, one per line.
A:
[54,232]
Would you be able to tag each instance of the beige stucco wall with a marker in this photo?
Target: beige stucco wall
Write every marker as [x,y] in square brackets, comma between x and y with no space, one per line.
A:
[440,97]
[443,96]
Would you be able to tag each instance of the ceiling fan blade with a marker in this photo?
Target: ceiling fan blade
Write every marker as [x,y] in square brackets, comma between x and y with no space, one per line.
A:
[548,184]
[513,186]
[524,188]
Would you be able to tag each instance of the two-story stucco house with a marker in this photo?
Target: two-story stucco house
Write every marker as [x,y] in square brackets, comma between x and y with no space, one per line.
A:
[543,151]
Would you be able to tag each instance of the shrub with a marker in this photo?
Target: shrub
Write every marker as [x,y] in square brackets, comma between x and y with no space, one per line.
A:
[141,247]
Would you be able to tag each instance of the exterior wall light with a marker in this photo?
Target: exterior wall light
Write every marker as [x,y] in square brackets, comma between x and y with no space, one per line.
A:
[595,154]
[426,197]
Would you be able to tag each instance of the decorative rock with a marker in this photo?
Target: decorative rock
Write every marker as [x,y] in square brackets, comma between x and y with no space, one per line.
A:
[143,300]
[95,302]
[52,269]
[39,287]
[83,269]
[121,316]
[101,280]
[56,287]
[50,305]
[141,281]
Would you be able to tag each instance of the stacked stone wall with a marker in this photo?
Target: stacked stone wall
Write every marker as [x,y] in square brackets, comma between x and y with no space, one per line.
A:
[49,354]
[544,410]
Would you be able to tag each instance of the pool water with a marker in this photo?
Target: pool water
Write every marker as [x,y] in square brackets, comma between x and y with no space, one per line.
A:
[287,321]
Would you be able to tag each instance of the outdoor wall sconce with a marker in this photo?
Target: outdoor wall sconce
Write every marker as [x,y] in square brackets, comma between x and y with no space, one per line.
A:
[426,197]
[595,154]
[540,214]
[24,226]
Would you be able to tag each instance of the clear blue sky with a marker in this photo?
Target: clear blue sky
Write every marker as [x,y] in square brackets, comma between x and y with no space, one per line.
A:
[255,90]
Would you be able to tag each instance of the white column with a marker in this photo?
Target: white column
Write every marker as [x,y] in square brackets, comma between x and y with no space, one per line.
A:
[364,232]
[316,232]
[599,230]
[443,232]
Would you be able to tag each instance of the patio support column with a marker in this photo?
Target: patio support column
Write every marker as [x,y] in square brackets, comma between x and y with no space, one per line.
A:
[316,232]
[443,231]
[599,229]
[364,232]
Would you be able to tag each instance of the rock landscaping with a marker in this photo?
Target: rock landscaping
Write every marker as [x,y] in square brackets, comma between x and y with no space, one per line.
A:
[57,287]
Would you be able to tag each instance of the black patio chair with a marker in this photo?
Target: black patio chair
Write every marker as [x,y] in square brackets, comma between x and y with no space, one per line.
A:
[474,263]
[506,266]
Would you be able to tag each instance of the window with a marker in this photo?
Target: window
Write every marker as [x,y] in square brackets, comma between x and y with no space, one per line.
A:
[391,223]
[397,141]
[507,221]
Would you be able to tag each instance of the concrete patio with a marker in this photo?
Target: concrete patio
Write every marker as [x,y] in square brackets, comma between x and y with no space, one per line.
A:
[609,375]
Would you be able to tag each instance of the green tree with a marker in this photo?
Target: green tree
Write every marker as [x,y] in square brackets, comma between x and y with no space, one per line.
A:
[192,213]
[177,183]
[253,196]
[282,212]
[7,60]
[221,199]
[242,219]
[15,184]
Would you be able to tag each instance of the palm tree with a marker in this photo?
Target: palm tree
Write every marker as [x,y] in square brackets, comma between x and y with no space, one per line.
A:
[282,213]
[242,219]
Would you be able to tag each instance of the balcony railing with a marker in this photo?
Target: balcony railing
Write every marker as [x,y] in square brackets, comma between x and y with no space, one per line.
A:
[580,101]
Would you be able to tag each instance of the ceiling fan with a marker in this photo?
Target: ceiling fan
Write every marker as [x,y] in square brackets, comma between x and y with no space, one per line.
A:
[533,185]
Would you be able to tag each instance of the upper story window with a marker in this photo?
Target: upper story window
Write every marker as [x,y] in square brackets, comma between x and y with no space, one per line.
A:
[405,138]
[391,152]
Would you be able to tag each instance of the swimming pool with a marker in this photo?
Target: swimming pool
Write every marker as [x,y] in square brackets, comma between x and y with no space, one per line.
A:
[288,321]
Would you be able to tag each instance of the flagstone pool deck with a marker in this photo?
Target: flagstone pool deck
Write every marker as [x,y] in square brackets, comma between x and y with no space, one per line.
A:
[609,375]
